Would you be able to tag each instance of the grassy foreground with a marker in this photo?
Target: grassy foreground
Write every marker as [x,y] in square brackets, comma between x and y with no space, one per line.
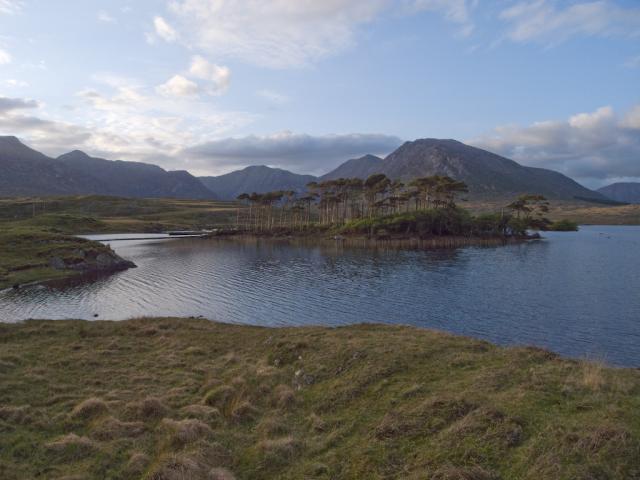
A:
[169,399]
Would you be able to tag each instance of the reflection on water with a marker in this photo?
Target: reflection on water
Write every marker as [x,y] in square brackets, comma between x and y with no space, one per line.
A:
[576,293]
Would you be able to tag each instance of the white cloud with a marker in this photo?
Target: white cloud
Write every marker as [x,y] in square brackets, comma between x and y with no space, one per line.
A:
[591,147]
[164,30]
[304,153]
[218,76]
[543,21]
[10,7]
[105,17]
[5,58]
[178,86]
[13,83]
[281,33]
[632,119]
[122,119]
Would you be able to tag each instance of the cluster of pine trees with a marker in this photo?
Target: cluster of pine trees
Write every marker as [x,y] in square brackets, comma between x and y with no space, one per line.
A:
[336,202]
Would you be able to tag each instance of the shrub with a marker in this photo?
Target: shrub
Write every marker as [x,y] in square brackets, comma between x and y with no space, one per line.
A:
[564,226]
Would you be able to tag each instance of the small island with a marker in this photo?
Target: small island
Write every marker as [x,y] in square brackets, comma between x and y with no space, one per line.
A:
[424,211]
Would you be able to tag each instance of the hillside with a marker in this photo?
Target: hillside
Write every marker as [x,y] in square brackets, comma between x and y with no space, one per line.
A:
[258,179]
[356,168]
[28,172]
[136,179]
[628,192]
[487,174]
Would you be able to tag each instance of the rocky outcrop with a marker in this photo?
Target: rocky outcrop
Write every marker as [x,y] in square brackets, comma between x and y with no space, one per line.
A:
[89,261]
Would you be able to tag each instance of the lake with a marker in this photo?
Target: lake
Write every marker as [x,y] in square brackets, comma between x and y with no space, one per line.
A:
[576,293]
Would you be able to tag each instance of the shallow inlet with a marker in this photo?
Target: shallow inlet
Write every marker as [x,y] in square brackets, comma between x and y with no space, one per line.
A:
[575,293]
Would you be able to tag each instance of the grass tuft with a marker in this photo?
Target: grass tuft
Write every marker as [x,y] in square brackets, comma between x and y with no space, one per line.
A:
[90,408]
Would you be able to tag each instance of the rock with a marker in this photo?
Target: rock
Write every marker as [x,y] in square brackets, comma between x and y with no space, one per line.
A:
[110,262]
[57,263]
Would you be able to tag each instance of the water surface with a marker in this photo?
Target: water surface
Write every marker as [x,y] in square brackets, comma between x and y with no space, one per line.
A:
[575,293]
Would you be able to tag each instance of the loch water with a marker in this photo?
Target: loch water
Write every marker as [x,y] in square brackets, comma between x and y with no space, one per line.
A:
[576,293]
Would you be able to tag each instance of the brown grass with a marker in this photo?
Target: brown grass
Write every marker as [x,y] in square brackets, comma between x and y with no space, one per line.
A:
[186,431]
[72,447]
[365,401]
[90,408]
[111,428]
[147,408]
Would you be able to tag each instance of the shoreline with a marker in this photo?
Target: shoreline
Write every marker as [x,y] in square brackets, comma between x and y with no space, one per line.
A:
[56,269]
[363,324]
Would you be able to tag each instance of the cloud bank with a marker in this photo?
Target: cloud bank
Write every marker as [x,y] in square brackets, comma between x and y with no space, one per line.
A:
[594,148]
[300,152]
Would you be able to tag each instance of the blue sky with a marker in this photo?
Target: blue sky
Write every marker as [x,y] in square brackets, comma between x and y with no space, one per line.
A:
[214,85]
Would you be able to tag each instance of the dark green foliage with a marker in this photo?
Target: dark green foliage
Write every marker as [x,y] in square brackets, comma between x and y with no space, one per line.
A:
[564,226]
[432,222]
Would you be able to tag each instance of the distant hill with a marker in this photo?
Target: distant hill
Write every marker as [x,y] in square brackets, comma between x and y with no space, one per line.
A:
[135,179]
[28,172]
[627,192]
[356,168]
[25,171]
[488,175]
[257,179]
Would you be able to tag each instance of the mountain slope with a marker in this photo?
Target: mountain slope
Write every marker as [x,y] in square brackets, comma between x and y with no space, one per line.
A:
[28,172]
[257,179]
[356,168]
[25,171]
[487,174]
[135,179]
[628,192]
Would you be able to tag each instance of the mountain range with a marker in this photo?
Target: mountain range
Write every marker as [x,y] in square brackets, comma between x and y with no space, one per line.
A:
[25,171]
[627,192]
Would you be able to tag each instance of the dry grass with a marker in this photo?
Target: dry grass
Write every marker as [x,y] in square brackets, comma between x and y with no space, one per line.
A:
[192,399]
[182,432]
[89,408]
[71,447]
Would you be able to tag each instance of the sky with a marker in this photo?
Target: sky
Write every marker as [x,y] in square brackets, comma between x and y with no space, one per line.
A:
[211,86]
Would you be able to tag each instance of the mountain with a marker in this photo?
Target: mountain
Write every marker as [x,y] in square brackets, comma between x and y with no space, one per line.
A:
[258,179]
[356,168]
[28,172]
[135,179]
[25,171]
[488,175]
[628,192]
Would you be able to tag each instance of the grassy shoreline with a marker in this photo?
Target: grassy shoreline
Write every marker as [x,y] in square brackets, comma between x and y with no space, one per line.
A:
[178,398]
